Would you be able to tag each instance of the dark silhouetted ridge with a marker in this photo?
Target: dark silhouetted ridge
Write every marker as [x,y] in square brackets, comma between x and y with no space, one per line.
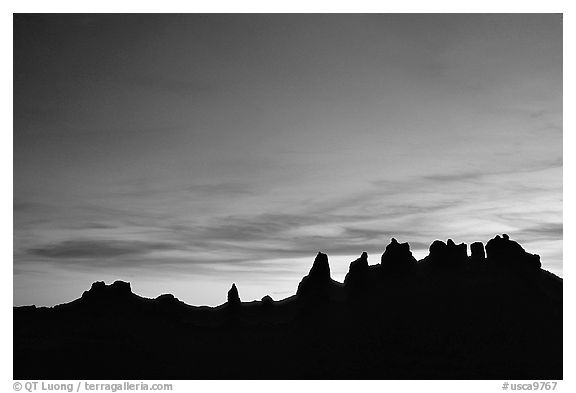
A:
[448,316]
[502,251]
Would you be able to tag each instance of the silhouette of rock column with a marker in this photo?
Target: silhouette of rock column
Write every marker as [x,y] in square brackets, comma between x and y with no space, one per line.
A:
[397,258]
[477,252]
[318,279]
[356,277]
[233,297]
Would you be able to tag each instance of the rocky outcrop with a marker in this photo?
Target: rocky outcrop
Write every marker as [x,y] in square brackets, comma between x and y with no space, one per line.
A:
[447,254]
[317,282]
[166,298]
[397,257]
[267,301]
[100,292]
[457,252]
[233,297]
[98,286]
[320,270]
[121,287]
[501,251]
[101,298]
[357,271]
[477,253]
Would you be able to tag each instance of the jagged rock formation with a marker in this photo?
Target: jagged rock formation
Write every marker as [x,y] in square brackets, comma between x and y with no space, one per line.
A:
[320,271]
[233,296]
[101,296]
[357,271]
[100,290]
[505,252]
[446,255]
[477,252]
[448,316]
[397,257]
[318,283]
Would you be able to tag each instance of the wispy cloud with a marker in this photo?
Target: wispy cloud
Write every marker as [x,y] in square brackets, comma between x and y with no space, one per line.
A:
[454,177]
[365,220]
[478,174]
[225,189]
[544,231]
[95,249]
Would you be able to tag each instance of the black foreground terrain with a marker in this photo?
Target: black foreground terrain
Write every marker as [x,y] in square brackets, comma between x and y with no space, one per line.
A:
[448,316]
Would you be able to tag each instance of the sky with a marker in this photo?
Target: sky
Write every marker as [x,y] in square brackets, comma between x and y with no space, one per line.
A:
[186,152]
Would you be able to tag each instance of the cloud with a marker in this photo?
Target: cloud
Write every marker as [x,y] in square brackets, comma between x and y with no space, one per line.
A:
[225,189]
[365,220]
[341,226]
[375,234]
[545,231]
[454,177]
[474,175]
[94,249]
[267,236]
